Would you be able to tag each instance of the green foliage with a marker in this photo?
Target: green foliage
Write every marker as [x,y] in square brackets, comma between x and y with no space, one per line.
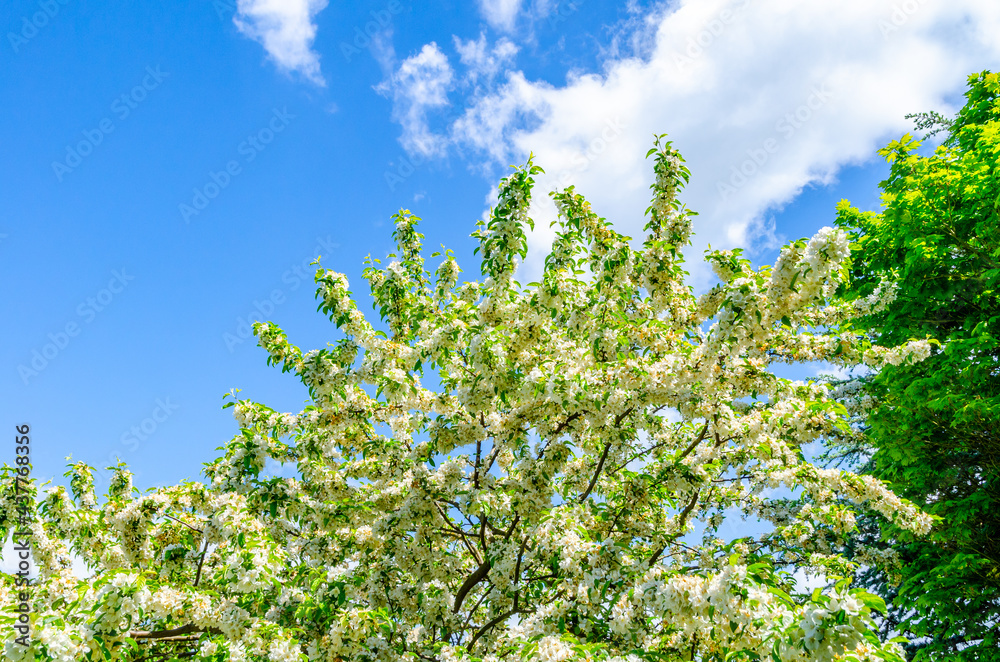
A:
[933,429]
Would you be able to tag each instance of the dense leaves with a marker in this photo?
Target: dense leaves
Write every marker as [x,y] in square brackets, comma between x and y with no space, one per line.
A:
[934,429]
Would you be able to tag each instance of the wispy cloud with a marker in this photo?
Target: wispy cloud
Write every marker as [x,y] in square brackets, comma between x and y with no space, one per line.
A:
[286,30]
[421,83]
[482,62]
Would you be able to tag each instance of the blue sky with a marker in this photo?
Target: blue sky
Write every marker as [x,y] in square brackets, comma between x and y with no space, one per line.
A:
[170,170]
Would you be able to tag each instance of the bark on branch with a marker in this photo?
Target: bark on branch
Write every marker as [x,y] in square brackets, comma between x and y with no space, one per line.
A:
[470,582]
[597,473]
[683,519]
[175,632]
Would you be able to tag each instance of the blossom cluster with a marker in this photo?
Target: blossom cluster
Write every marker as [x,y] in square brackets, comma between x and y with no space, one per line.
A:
[495,471]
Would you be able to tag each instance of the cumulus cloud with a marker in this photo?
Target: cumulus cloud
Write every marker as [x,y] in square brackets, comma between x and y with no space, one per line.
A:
[763,97]
[421,83]
[286,30]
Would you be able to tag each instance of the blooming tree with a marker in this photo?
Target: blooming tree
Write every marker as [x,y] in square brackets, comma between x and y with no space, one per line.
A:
[503,471]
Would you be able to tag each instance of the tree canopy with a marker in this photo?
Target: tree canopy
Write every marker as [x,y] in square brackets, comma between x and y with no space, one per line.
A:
[932,427]
[499,471]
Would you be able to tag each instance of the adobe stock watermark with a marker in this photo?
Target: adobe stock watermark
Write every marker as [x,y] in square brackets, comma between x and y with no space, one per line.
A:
[24,507]
[563,11]
[122,108]
[249,149]
[407,163]
[87,312]
[225,9]
[786,127]
[135,435]
[713,29]
[900,16]
[30,26]
[363,37]
[613,129]
[292,278]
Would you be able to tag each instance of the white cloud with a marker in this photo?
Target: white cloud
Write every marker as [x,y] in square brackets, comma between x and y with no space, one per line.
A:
[788,91]
[421,82]
[482,62]
[286,30]
[519,18]
[501,14]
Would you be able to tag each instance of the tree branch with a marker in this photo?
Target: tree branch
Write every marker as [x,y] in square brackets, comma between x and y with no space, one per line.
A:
[499,619]
[165,634]
[469,584]
[689,449]
[462,534]
[166,654]
[510,530]
[201,561]
[683,518]
[479,461]
[565,424]
[184,523]
[597,473]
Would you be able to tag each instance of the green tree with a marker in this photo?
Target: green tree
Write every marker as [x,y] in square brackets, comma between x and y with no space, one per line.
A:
[933,427]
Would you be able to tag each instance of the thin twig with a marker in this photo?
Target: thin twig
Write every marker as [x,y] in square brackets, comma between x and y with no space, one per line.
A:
[184,523]
[201,561]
